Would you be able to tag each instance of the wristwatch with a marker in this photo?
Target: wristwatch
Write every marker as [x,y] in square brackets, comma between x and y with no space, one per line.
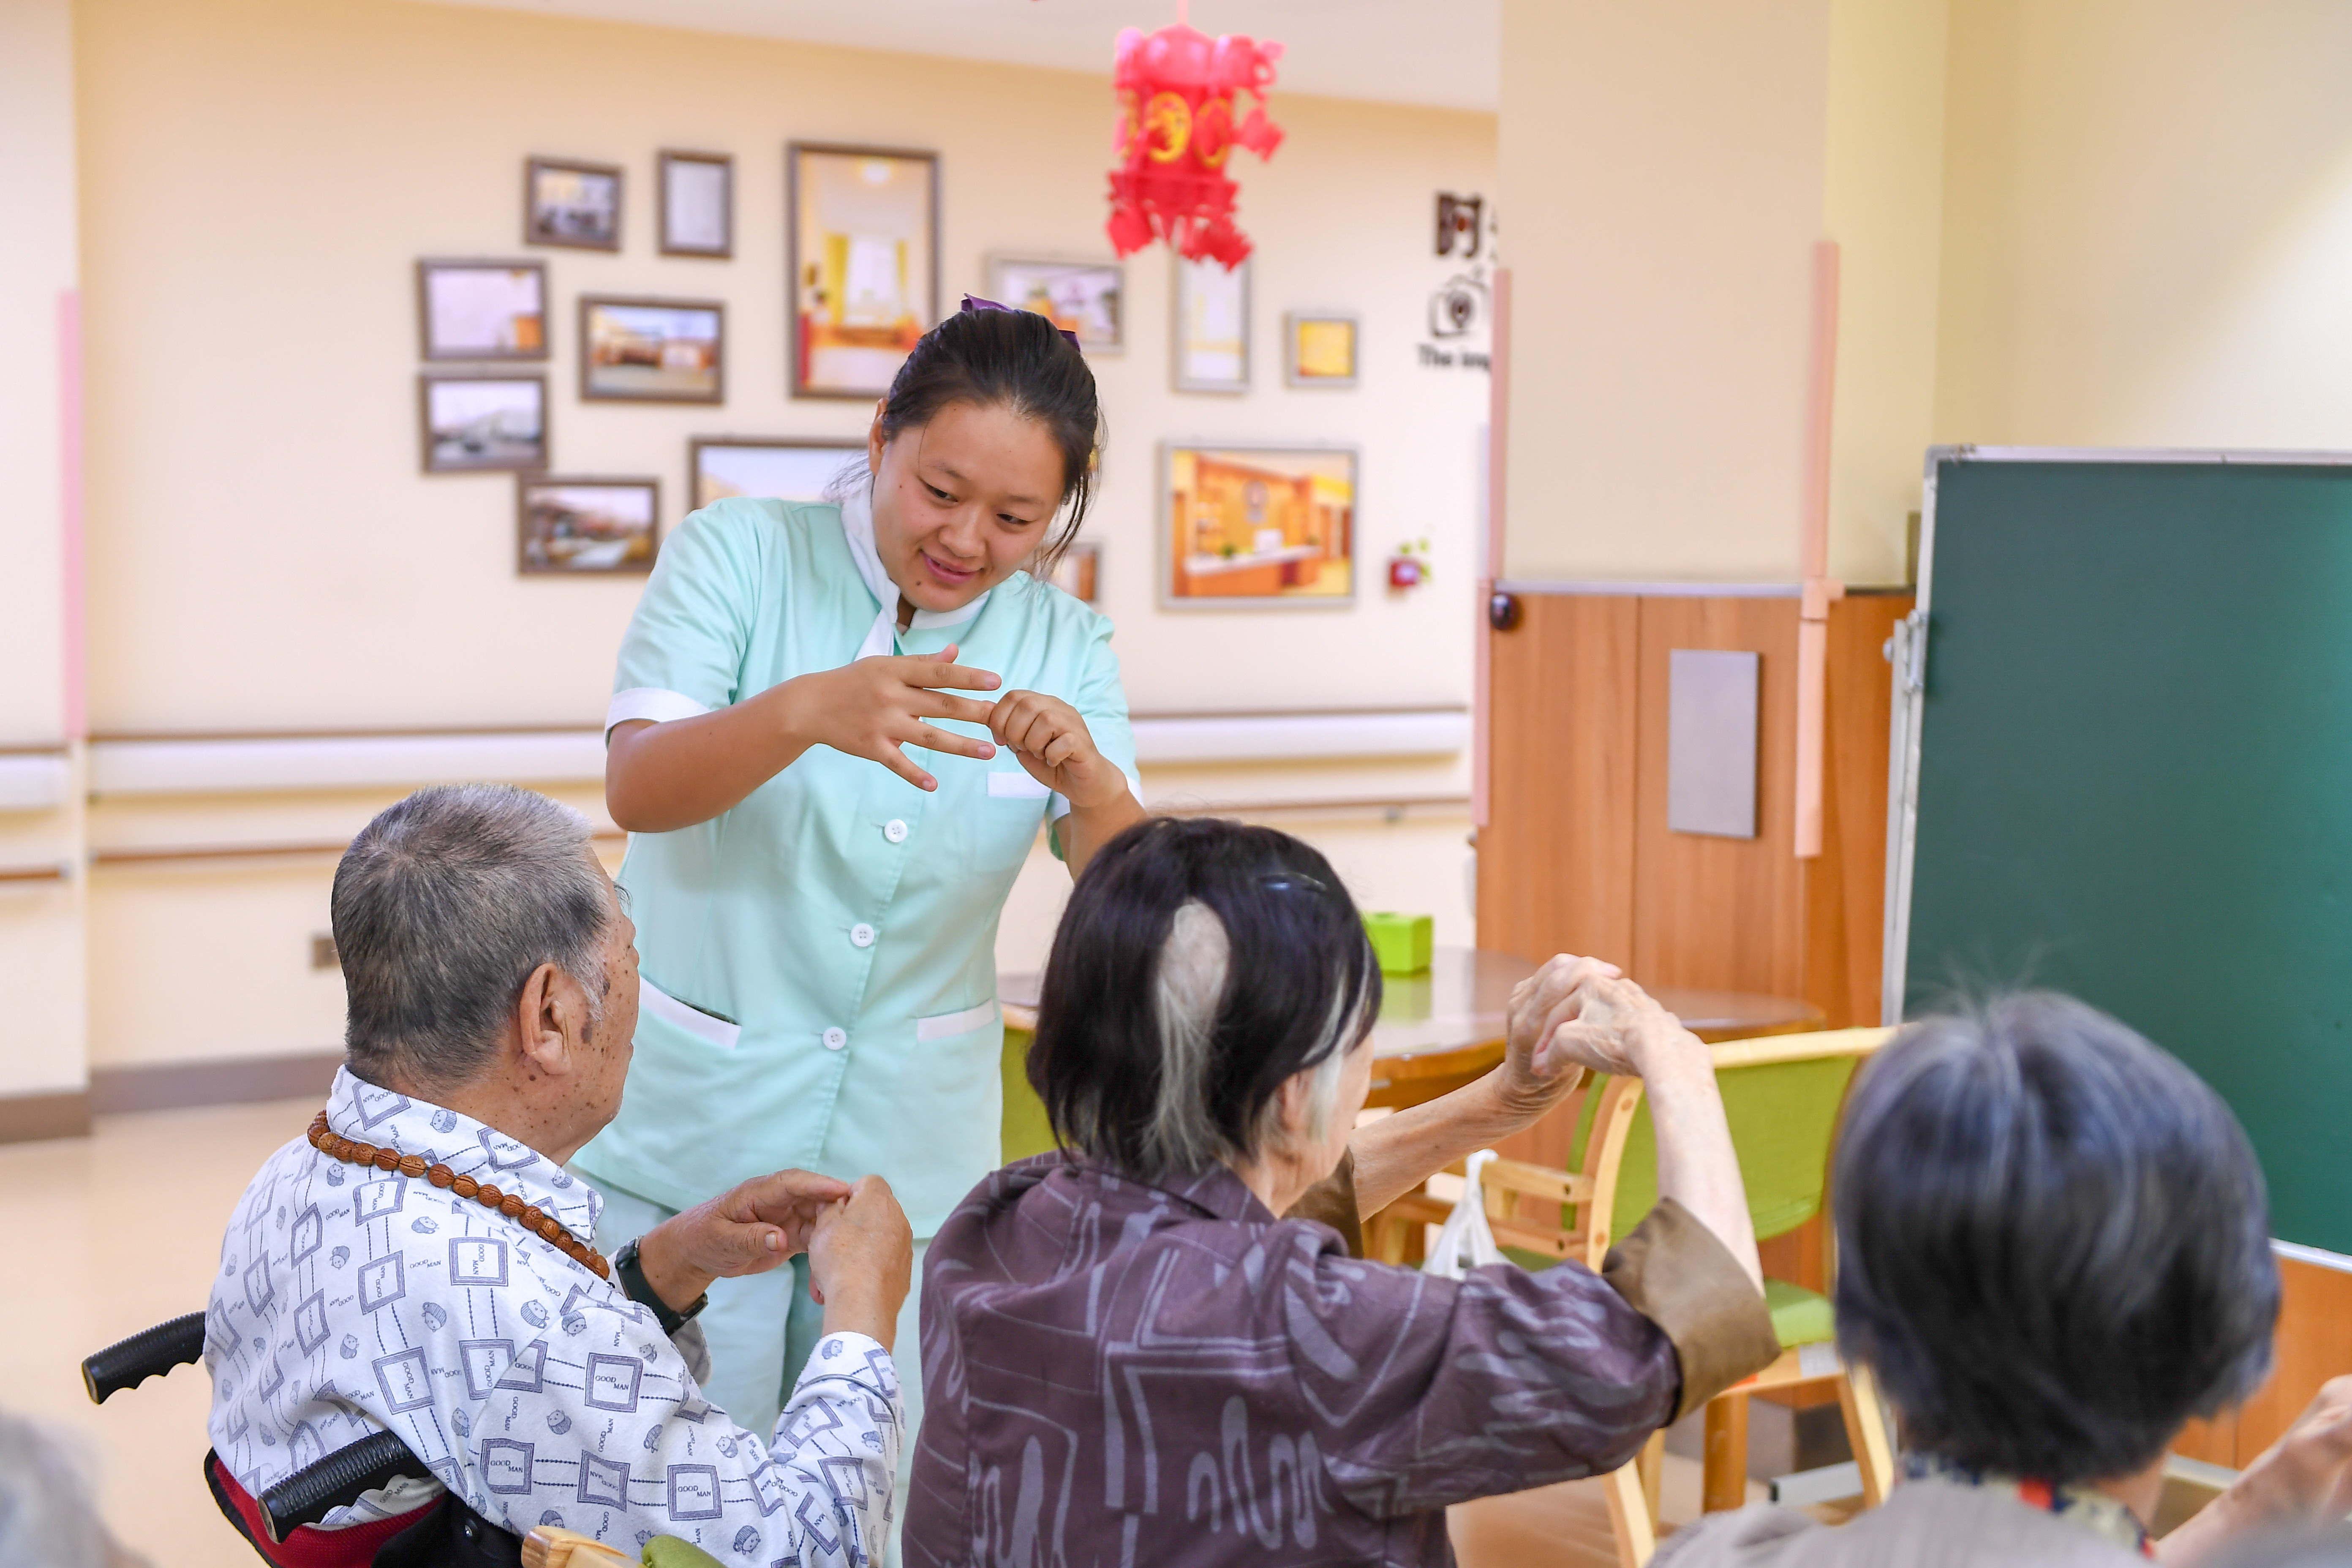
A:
[631,1273]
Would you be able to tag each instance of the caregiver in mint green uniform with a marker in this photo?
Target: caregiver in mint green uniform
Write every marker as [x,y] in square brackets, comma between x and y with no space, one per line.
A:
[834,734]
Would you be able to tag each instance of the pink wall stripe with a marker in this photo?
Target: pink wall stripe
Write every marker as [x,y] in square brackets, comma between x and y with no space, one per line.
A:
[77,699]
[1498,448]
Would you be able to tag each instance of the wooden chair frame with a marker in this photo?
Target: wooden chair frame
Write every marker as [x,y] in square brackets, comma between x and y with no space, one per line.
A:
[1633,1490]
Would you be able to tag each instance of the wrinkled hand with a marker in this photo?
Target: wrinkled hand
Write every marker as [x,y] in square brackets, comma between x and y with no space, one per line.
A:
[1607,1023]
[873,708]
[747,1229]
[861,1260]
[2305,1478]
[1053,744]
[1539,1004]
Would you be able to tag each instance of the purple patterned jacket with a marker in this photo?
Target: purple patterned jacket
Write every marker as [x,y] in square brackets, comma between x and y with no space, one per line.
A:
[1119,1374]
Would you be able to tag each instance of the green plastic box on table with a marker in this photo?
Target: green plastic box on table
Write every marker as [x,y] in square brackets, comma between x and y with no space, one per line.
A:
[1402,943]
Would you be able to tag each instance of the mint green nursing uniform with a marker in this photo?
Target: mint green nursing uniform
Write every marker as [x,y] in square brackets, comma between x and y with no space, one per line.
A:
[820,962]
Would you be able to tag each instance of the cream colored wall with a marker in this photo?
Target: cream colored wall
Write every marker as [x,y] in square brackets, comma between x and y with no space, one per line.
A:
[1882,203]
[259,177]
[1662,180]
[2148,226]
[41,949]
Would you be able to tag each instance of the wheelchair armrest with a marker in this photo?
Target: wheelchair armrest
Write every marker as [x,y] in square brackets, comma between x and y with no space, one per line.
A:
[149,1353]
[309,1494]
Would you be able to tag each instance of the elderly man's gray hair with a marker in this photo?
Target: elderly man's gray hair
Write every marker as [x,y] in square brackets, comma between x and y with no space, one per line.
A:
[443,905]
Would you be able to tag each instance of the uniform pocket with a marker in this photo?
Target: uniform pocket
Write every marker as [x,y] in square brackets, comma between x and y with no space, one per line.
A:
[946,1025]
[653,1002]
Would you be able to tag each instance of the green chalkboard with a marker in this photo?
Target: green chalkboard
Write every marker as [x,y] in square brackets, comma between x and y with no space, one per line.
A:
[2135,774]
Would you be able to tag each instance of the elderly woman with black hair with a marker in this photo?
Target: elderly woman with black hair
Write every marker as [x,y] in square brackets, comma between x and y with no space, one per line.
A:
[2053,1250]
[1130,1359]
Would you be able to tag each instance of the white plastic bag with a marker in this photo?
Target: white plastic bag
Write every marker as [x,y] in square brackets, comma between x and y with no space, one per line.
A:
[1463,1242]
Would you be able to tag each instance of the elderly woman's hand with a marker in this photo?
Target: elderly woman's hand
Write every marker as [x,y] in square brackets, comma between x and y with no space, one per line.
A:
[2303,1480]
[1534,1078]
[1581,1013]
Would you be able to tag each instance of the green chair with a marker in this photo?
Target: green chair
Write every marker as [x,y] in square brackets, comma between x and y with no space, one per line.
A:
[1026,1130]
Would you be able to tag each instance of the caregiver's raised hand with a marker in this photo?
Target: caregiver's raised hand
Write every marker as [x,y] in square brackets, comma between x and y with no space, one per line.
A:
[875,708]
[660,777]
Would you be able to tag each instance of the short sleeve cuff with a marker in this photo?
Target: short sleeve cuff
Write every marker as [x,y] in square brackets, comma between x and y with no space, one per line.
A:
[1673,1271]
[651,702]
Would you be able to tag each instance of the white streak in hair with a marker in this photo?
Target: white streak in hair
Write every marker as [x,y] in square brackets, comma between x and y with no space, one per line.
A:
[1190,985]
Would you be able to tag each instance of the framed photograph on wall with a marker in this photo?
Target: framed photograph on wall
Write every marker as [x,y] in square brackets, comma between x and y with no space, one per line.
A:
[1079,572]
[1082,297]
[698,203]
[575,528]
[1212,312]
[864,243]
[782,468]
[482,309]
[482,421]
[1244,525]
[651,350]
[572,203]
[1319,348]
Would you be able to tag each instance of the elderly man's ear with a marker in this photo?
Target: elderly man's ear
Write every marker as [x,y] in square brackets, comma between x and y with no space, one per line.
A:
[550,1021]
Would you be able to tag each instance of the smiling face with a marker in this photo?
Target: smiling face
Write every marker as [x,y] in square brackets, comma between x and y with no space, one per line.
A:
[961,502]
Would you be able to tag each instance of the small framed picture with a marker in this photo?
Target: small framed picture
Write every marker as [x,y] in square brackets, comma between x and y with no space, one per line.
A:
[1319,348]
[571,528]
[698,203]
[865,249]
[651,350]
[778,468]
[565,203]
[1243,526]
[482,309]
[482,421]
[1081,297]
[1212,310]
[1079,573]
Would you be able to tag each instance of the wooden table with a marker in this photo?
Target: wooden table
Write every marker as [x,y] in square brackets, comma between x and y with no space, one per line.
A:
[1442,1028]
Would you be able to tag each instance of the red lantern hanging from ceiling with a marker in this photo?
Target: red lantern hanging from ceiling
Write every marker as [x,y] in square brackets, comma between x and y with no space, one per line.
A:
[1177,129]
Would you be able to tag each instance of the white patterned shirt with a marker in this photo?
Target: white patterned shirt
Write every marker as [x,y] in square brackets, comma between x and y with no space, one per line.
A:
[351,1301]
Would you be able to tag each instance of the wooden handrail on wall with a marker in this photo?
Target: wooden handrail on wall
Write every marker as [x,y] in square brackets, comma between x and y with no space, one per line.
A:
[164,855]
[34,874]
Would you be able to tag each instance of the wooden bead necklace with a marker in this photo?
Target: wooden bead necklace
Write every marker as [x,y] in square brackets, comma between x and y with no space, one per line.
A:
[337,1147]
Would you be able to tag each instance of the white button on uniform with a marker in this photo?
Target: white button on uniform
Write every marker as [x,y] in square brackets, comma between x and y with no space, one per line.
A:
[836,1038]
[895,831]
[861,935]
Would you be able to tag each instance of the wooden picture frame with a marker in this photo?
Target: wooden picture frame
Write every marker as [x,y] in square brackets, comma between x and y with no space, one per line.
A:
[777,468]
[481,310]
[1080,294]
[481,421]
[1209,312]
[694,219]
[579,527]
[1322,348]
[572,203]
[856,310]
[635,349]
[1274,526]
[1079,572]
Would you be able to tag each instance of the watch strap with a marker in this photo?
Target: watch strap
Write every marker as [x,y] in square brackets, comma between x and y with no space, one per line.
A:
[630,1271]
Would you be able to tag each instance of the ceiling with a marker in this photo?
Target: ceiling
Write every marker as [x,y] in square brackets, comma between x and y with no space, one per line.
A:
[1441,52]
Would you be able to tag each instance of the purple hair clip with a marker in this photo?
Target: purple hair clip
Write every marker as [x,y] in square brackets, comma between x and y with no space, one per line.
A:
[973,302]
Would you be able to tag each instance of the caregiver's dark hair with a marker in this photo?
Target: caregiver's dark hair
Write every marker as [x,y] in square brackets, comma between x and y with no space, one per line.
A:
[1019,360]
[1290,984]
[2054,1242]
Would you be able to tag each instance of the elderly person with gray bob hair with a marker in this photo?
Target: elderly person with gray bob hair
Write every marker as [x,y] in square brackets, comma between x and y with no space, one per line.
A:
[2053,1249]
[1128,1358]
[421,1261]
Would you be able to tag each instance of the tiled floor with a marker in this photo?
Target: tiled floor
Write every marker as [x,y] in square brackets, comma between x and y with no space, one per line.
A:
[123,1229]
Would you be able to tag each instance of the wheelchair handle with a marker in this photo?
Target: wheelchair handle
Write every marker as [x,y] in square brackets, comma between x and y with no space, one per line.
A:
[309,1494]
[149,1353]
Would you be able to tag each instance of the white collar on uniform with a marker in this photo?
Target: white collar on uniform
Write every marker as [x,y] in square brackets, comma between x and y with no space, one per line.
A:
[857,527]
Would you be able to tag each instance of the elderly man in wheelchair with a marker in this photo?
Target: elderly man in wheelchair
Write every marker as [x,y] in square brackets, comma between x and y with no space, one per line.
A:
[418,1266]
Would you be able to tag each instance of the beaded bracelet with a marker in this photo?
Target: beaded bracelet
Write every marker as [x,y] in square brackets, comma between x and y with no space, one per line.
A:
[337,1147]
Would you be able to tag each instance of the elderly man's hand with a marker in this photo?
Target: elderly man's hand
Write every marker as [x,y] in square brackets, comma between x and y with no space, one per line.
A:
[747,1229]
[861,1260]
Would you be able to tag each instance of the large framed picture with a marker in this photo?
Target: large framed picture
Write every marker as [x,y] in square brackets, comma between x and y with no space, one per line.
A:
[573,528]
[1212,312]
[1319,348]
[782,468]
[482,421]
[1244,525]
[698,203]
[653,350]
[865,251]
[572,203]
[482,309]
[1082,297]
